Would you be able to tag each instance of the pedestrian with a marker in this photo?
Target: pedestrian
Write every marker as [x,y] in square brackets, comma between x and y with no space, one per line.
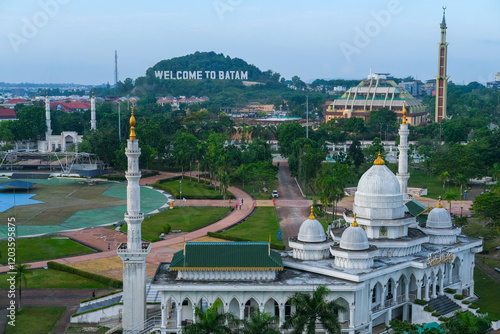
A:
[236,206]
[109,246]
[241,202]
[240,206]
[93,294]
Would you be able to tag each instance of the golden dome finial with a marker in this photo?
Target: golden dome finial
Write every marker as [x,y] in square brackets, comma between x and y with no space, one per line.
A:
[439,206]
[404,112]
[132,125]
[92,93]
[379,160]
[311,216]
[354,222]
[47,93]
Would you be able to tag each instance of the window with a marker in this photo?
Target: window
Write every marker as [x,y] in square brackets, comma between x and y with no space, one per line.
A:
[383,231]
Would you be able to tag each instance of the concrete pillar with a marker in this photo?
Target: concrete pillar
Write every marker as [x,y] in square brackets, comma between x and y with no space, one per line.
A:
[164,320]
[441,284]
[194,314]
[471,290]
[426,293]
[282,315]
[406,313]
[382,299]
[419,289]
[178,308]
[434,287]
[450,273]
[242,311]
[407,290]
[351,316]
[388,317]
[395,293]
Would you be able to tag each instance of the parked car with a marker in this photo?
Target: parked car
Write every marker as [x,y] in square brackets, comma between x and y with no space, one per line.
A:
[275,193]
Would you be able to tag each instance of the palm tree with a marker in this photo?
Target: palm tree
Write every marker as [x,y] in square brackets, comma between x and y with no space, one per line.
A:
[260,323]
[311,308]
[444,177]
[224,182]
[467,322]
[461,180]
[212,321]
[21,270]
[450,196]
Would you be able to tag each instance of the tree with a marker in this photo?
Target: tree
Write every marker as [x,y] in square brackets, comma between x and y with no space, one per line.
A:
[444,177]
[260,323]
[21,270]
[287,134]
[467,322]
[224,183]
[311,308]
[487,205]
[461,180]
[355,153]
[451,196]
[403,327]
[185,149]
[212,321]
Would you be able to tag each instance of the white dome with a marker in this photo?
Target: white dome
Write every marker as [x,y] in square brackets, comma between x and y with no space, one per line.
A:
[378,195]
[439,218]
[354,238]
[311,230]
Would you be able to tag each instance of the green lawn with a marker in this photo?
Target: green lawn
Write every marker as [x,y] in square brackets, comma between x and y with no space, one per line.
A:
[259,195]
[186,219]
[191,189]
[43,248]
[258,227]
[489,291]
[420,178]
[54,279]
[36,320]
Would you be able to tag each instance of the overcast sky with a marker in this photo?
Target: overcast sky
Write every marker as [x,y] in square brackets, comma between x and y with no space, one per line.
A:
[60,41]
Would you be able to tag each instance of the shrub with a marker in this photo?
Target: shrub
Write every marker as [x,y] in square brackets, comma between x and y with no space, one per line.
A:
[166,229]
[459,297]
[429,308]
[420,302]
[436,314]
[466,302]
[232,238]
[443,319]
[103,279]
[473,306]
[448,290]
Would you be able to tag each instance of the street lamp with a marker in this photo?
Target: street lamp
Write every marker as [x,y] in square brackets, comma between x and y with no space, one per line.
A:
[180,189]
[461,208]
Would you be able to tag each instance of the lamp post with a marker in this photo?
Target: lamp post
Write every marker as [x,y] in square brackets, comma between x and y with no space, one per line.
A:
[180,189]
[461,208]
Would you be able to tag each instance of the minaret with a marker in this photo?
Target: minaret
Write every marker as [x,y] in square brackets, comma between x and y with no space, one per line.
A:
[442,78]
[134,252]
[92,112]
[47,117]
[402,174]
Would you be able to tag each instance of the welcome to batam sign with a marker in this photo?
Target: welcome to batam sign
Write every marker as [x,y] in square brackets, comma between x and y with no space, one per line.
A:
[200,75]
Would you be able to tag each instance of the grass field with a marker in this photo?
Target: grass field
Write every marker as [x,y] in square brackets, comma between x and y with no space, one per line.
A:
[258,227]
[489,291]
[186,219]
[55,279]
[250,189]
[420,178]
[36,320]
[191,189]
[43,248]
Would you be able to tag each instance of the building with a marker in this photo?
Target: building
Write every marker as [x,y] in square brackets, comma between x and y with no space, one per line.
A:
[66,139]
[496,83]
[372,94]
[7,114]
[376,263]
[442,78]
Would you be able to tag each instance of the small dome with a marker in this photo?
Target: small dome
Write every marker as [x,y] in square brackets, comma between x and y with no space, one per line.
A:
[311,230]
[439,217]
[379,180]
[354,238]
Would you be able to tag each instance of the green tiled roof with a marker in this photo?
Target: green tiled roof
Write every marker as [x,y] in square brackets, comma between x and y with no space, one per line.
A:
[415,207]
[226,256]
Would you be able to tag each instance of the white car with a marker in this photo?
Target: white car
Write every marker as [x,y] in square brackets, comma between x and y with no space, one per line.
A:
[275,193]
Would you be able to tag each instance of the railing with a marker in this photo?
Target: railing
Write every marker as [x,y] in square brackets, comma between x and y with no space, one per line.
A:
[390,302]
[145,247]
[146,326]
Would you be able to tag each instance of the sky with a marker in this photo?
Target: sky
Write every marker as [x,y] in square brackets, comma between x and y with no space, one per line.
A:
[62,41]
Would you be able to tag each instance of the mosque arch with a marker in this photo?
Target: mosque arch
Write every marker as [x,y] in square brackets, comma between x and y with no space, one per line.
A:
[250,306]
[234,306]
[272,306]
[187,309]
[344,316]
[456,270]
[377,294]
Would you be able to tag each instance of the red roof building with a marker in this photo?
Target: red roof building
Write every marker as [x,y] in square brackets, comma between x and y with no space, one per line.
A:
[7,114]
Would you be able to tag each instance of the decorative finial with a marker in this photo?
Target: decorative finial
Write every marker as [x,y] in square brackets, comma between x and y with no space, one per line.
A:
[439,206]
[47,93]
[132,125]
[404,112]
[443,23]
[92,93]
[379,161]
[354,222]
[311,216]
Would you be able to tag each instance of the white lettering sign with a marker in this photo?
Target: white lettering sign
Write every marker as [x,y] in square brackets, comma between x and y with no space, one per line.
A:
[200,75]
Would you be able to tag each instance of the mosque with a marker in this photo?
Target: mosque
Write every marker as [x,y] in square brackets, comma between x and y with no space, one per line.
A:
[66,139]
[376,264]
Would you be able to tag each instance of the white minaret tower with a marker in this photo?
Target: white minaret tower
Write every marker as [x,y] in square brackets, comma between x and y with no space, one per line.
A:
[92,112]
[47,117]
[134,252]
[402,174]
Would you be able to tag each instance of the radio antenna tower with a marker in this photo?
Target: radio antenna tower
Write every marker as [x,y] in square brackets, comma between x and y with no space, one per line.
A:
[116,71]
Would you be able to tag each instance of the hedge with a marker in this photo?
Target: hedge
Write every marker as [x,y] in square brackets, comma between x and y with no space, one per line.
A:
[473,306]
[448,290]
[443,319]
[436,314]
[166,229]
[429,308]
[420,302]
[466,302]
[459,297]
[103,279]
[227,237]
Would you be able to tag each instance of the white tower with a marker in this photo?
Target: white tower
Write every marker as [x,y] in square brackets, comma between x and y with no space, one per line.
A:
[402,174]
[47,117]
[134,252]
[92,112]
